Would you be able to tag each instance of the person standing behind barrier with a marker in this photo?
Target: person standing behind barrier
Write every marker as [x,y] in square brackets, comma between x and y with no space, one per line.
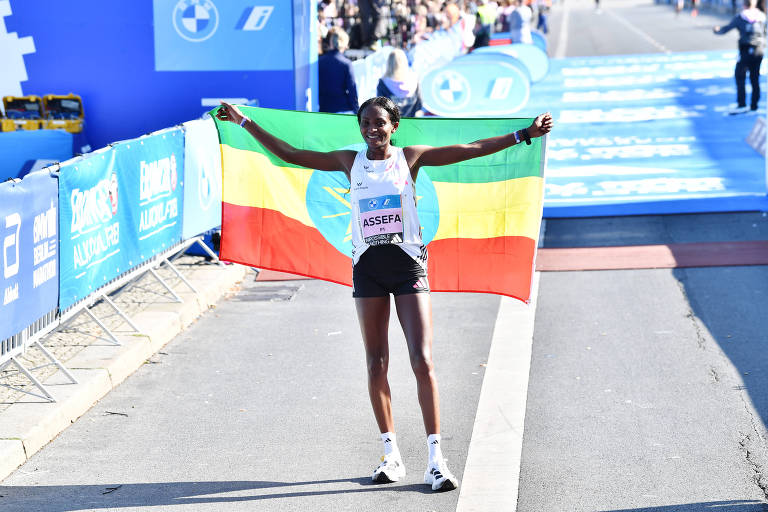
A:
[400,84]
[544,7]
[336,83]
[372,23]
[486,17]
[751,25]
[520,23]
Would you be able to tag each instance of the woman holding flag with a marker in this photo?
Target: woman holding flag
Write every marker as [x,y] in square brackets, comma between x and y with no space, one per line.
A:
[389,257]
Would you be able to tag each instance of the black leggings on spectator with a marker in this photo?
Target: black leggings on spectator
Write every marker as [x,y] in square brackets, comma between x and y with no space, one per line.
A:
[750,58]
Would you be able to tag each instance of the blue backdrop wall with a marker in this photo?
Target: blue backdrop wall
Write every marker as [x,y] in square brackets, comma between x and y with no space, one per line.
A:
[145,65]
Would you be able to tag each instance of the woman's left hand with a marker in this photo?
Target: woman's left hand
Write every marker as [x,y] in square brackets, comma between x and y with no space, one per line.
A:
[541,125]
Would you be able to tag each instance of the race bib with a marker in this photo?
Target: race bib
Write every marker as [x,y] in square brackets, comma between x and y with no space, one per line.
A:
[382,220]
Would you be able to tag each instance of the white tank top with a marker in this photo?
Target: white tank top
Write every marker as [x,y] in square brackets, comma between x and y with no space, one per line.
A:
[384,206]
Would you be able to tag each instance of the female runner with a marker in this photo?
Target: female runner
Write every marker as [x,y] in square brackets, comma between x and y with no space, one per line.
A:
[389,257]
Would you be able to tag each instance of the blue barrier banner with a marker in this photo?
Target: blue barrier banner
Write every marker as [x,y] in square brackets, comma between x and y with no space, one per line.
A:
[483,84]
[29,287]
[118,208]
[223,35]
[202,178]
[21,147]
[532,57]
[647,134]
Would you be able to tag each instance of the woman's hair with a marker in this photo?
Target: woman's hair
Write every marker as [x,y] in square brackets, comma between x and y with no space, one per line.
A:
[397,65]
[385,103]
[337,39]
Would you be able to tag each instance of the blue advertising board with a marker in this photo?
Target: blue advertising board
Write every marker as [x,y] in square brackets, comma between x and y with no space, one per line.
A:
[203,35]
[144,66]
[483,84]
[532,57]
[20,148]
[118,208]
[29,285]
[202,178]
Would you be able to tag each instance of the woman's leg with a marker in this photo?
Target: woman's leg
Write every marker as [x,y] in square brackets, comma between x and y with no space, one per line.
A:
[373,315]
[415,314]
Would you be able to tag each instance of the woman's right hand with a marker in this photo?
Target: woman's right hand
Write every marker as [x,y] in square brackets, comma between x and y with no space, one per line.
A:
[230,113]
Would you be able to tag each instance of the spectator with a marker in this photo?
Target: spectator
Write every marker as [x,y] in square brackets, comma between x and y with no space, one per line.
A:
[372,23]
[336,83]
[544,7]
[520,23]
[486,17]
[751,26]
[400,84]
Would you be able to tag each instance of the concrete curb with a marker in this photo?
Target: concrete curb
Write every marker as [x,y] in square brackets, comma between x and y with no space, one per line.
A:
[26,427]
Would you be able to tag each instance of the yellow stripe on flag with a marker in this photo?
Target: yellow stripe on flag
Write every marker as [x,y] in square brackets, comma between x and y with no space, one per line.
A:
[252,180]
[488,210]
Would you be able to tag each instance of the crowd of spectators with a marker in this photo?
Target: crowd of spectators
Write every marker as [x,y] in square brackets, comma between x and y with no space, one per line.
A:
[371,24]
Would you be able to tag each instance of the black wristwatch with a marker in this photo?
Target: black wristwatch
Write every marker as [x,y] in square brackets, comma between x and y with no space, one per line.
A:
[526,136]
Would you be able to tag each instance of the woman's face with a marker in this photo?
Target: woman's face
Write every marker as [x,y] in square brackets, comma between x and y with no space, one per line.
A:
[376,127]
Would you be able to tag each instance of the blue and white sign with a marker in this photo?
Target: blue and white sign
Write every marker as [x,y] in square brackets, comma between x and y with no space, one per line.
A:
[119,207]
[202,178]
[223,35]
[29,263]
[647,134]
[532,57]
[477,85]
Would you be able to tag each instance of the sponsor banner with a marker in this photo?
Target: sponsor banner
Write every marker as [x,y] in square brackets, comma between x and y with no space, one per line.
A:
[202,178]
[659,139]
[532,57]
[484,84]
[29,284]
[218,35]
[504,38]
[118,208]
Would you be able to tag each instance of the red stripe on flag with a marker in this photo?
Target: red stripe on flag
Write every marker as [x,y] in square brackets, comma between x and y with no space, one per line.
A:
[502,265]
[267,239]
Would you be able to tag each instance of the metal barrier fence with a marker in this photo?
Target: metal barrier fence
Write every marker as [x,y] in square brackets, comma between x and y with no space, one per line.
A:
[32,335]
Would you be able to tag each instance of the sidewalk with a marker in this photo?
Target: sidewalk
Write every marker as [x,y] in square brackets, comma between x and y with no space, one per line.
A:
[28,423]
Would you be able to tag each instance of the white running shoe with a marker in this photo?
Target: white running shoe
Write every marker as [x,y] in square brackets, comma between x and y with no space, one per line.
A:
[438,476]
[391,469]
[738,110]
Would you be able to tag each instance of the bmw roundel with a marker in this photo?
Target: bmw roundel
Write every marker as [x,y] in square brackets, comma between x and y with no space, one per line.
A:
[372,204]
[195,20]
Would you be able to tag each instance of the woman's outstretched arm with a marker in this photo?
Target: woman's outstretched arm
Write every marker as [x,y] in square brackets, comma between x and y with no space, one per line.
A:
[419,156]
[330,161]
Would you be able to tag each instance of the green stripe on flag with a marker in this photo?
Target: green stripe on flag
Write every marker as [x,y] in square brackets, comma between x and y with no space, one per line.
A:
[329,132]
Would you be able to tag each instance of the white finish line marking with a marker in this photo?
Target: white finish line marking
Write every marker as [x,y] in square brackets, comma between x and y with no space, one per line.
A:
[492,473]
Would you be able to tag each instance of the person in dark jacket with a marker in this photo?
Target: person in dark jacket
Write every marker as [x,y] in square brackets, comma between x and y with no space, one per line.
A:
[751,26]
[336,82]
[401,85]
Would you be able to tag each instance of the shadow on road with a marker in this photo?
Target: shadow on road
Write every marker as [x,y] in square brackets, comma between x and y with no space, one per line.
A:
[725,506]
[70,498]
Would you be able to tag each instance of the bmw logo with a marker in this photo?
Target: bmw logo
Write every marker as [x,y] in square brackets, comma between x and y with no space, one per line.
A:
[195,20]
[451,89]
[372,204]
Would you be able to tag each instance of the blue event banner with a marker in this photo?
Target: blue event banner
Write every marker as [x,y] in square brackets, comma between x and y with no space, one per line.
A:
[202,178]
[118,208]
[29,285]
[223,35]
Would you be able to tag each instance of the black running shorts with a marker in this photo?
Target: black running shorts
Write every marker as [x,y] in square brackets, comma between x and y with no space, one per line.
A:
[385,269]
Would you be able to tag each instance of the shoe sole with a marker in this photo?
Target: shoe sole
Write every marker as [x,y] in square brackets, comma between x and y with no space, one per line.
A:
[383,478]
[449,484]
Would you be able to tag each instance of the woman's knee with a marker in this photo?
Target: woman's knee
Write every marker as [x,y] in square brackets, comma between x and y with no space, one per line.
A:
[377,366]
[422,366]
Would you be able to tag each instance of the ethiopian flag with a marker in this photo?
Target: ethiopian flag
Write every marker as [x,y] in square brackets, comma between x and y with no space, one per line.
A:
[480,218]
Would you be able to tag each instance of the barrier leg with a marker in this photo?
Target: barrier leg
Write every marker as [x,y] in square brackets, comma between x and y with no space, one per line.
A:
[120,312]
[20,367]
[103,327]
[55,362]
[162,282]
[175,271]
